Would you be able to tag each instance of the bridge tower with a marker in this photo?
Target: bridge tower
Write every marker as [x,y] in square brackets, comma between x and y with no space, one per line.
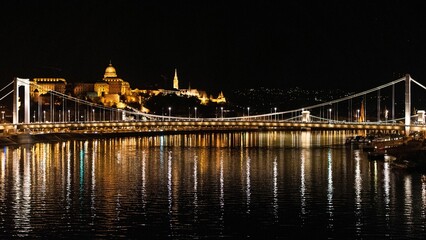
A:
[19,82]
[306,116]
[407,104]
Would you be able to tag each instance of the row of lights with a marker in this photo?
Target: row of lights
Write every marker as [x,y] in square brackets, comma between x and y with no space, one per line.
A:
[92,116]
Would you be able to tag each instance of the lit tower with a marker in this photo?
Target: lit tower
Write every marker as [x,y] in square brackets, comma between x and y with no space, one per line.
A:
[18,82]
[175,80]
[407,104]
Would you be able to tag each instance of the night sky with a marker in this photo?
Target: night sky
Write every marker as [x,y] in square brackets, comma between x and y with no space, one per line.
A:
[216,45]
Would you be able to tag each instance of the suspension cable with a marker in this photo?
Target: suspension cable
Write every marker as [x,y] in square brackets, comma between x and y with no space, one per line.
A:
[153,116]
[6,86]
[6,95]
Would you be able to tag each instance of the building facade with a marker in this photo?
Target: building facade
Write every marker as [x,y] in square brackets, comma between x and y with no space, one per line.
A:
[40,86]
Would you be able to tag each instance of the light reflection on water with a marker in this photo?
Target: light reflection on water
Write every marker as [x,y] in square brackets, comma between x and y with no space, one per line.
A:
[358,191]
[250,184]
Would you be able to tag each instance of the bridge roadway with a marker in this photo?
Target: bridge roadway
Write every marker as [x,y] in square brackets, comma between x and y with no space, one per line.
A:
[199,125]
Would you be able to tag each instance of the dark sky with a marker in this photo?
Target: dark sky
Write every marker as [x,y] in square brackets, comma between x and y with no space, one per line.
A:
[216,45]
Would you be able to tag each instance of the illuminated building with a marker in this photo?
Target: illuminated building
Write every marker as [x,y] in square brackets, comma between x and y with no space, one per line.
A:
[41,86]
[189,92]
[116,84]
[112,88]
[114,91]
[101,88]
[220,99]
[81,89]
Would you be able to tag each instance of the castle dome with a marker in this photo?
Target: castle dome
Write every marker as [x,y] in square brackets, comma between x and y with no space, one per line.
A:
[110,72]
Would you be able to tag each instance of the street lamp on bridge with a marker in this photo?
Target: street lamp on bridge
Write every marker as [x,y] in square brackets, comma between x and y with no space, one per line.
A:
[248,111]
[357,115]
[329,110]
[195,109]
[275,110]
[386,115]
[170,112]
[221,112]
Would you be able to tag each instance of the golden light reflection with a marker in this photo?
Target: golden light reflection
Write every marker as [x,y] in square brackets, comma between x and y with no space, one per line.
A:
[93,178]
[386,188]
[248,182]
[330,209]
[92,173]
[170,189]
[195,176]
[302,184]
[275,188]
[161,155]
[21,203]
[408,206]
[68,177]
[375,176]
[221,193]
[242,139]
[42,160]
[222,183]
[306,139]
[3,174]
[26,200]
[143,195]
[358,190]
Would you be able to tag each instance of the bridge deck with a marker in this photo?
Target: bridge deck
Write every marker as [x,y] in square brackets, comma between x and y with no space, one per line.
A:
[202,124]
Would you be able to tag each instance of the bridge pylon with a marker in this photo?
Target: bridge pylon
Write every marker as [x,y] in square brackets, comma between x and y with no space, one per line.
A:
[407,104]
[18,82]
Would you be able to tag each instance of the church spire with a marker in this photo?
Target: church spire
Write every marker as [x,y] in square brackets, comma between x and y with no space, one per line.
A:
[175,80]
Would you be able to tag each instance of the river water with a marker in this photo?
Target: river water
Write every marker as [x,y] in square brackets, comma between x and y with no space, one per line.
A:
[268,185]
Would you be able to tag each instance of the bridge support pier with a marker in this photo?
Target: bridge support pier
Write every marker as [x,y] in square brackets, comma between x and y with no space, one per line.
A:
[18,82]
[306,116]
[407,104]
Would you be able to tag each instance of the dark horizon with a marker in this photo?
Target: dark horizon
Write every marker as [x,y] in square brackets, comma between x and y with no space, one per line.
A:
[216,45]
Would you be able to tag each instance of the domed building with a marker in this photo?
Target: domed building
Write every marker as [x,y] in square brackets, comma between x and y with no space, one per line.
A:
[110,72]
[111,88]
[116,84]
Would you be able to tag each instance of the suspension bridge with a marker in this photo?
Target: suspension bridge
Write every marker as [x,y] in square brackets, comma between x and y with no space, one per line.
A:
[376,109]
